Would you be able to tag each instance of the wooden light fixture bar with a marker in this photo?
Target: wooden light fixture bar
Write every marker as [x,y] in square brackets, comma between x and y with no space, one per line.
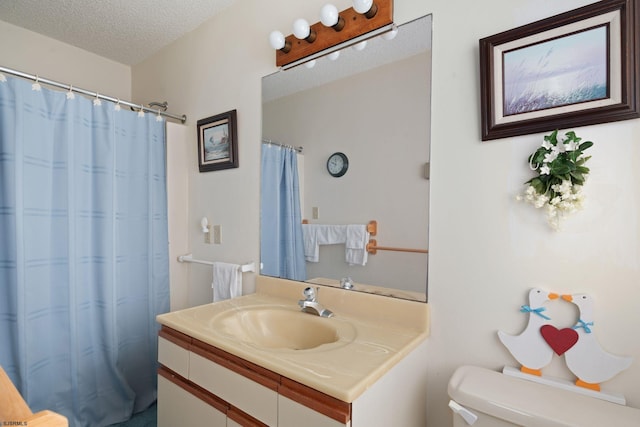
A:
[356,25]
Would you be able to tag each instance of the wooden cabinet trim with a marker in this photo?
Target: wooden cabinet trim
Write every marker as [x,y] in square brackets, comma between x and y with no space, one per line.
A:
[236,364]
[243,418]
[178,338]
[316,400]
[194,389]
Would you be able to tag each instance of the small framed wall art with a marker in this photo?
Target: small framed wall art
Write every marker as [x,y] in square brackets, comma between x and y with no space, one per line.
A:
[574,69]
[218,142]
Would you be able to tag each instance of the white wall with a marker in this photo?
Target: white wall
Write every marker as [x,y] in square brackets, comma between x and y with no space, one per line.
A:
[32,53]
[486,249]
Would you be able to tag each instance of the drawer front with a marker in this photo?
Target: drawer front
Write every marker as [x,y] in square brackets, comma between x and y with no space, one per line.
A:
[291,414]
[173,357]
[177,407]
[249,396]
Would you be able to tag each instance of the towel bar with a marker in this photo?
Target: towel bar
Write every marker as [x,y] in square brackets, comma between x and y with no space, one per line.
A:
[248,267]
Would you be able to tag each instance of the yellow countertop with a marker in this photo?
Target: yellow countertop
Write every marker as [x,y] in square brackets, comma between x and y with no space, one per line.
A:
[380,332]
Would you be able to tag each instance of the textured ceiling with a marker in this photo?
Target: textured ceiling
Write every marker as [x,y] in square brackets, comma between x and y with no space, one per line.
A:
[126,31]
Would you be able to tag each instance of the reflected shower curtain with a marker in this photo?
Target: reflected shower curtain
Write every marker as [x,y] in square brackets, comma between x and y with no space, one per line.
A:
[281,246]
[83,252]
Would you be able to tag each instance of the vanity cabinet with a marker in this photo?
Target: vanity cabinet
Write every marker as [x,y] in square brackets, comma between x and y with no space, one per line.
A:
[198,382]
[374,375]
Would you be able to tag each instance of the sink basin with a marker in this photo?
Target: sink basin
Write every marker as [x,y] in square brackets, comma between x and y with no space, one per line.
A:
[280,328]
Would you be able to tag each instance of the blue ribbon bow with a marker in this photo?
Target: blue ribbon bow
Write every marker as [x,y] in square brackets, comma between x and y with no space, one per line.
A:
[538,311]
[584,325]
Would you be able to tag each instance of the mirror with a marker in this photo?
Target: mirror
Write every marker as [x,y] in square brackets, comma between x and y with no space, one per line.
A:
[373,105]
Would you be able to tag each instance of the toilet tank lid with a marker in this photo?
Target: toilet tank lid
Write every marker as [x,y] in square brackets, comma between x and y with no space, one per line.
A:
[527,403]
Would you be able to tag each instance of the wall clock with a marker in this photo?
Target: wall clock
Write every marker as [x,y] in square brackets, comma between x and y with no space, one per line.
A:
[337,164]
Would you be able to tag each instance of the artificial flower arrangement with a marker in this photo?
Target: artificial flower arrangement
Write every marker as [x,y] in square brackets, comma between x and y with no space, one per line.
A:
[559,162]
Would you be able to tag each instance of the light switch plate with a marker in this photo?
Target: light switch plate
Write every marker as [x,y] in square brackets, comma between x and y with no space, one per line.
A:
[216,234]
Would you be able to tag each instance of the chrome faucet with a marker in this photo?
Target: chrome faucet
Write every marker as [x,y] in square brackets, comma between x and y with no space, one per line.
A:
[311,305]
[346,283]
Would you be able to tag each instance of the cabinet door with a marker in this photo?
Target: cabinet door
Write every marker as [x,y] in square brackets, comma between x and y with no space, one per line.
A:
[241,392]
[178,407]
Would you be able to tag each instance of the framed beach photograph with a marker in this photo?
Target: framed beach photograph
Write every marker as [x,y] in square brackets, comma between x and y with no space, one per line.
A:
[218,142]
[574,69]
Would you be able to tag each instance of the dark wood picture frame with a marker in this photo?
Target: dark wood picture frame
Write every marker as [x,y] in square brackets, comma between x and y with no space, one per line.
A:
[218,142]
[619,20]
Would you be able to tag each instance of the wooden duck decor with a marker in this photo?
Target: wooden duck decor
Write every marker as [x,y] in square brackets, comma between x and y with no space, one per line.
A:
[533,348]
[586,359]
[529,348]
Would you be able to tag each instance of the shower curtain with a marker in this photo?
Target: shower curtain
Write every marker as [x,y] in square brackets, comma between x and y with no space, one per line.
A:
[281,246]
[83,252]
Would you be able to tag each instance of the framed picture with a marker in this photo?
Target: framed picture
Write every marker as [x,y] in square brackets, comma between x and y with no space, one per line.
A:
[574,69]
[218,142]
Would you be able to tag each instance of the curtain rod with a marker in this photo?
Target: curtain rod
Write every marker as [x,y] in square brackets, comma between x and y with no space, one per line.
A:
[268,141]
[39,79]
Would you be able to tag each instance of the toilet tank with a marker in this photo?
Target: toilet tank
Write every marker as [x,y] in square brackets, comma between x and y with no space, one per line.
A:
[503,400]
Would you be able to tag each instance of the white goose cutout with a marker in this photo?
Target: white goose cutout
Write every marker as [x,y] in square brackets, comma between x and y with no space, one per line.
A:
[530,348]
[586,359]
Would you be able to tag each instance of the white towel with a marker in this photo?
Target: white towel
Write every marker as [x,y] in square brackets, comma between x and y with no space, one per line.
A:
[314,235]
[310,243]
[227,281]
[357,238]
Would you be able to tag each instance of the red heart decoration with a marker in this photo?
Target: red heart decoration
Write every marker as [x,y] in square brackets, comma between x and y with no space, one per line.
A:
[560,340]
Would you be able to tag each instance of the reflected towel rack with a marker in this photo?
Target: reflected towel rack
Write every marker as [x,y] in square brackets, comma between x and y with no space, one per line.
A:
[372,248]
[372,226]
[250,266]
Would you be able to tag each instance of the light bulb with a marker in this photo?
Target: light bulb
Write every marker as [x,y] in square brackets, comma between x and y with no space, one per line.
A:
[365,7]
[301,29]
[362,6]
[361,45]
[310,64]
[204,223]
[329,15]
[276,39]
[391,34]
[334,55]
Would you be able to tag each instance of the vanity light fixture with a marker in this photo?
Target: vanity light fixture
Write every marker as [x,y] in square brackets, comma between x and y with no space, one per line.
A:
[335,31]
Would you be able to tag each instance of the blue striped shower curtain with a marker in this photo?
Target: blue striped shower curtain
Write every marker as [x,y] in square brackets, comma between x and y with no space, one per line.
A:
[281,245]
[83,252]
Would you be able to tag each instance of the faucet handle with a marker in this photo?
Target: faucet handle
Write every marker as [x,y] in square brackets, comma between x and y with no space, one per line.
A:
[310,293]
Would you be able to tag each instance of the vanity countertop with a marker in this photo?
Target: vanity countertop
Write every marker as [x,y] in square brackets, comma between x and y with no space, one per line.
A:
[386,330]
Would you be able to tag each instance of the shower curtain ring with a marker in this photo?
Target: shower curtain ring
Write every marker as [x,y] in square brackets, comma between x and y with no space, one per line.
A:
[36,85]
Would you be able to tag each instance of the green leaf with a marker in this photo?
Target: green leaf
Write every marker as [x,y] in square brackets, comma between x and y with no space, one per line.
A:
[577,178]
[582,169]
[583,160]
[571,135]
[560,168]
[538,185]
[585,145]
